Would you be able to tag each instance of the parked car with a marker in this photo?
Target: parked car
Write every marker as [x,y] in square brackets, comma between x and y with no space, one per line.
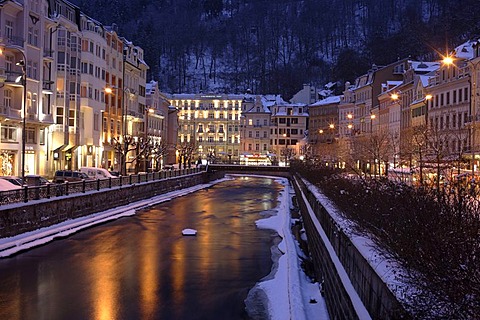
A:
[12,179]
[62,176]
[6,185]
[114,173]
[35,180]
[96,173]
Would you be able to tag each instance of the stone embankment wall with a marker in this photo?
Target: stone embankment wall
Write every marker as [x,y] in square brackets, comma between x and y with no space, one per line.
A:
[373,293]
[24,217]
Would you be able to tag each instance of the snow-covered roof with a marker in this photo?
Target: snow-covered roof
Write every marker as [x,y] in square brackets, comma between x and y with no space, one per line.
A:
[206,96]
[149,86]
[425,78]
[424,67]
[464,51]
[276,98]
[328,100]
[330,85]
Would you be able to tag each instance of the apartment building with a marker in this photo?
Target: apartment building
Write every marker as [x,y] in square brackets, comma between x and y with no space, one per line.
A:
[388,120]
[367,88]
[346,129]
[60,117]
[161,124]
[211,122]
[93,65]
[255,132]
[449,113]
[66,129]
[135,74]
[26,107]
[323,128]
[289,123]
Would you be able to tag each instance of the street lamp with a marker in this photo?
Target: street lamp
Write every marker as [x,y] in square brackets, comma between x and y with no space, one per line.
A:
[428,97]
[22,63]
[372,117]
[147,112]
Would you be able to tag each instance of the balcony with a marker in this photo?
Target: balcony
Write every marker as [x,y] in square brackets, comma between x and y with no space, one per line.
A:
[32,117]
[10,40]
[48,54]
[10,113]
[470,119]
[47,86]
[10,77]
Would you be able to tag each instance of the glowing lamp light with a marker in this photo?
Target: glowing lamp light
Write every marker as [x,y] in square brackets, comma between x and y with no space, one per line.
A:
[447,60]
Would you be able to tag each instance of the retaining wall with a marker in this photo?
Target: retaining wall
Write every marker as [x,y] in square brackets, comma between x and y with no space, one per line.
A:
[376,297]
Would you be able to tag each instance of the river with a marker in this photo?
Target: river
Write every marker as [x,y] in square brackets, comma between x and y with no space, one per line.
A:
[141,267]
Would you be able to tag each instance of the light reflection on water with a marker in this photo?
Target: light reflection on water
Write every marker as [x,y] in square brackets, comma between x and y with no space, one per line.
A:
[141,267]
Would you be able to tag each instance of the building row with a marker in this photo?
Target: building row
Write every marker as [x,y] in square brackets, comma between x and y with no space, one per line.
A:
[245,129]
[74,93]
[408,114]
[71,90]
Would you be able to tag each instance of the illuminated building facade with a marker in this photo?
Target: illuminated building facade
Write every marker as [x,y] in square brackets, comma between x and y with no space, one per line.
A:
[212,122]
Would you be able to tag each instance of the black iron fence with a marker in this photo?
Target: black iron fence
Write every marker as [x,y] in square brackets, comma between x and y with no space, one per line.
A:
[29,193]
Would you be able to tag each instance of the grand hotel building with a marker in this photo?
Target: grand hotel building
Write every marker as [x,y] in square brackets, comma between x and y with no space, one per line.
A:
[212,122]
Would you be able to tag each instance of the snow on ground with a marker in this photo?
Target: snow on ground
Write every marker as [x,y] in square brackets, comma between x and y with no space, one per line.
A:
[387,269]
[189,232]
[288,292]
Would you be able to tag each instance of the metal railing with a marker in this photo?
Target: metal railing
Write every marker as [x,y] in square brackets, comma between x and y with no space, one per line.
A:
[51,190]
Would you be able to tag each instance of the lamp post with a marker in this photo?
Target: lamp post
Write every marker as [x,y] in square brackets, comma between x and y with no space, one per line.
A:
[428,97]
[147,112]
[473,107]
[372,117]
[22,63]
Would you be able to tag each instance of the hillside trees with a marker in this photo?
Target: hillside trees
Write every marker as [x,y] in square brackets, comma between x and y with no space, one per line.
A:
[264,46]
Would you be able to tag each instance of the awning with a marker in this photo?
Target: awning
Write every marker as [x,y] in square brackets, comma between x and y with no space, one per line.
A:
[56,152]
[70,149]
[59,148]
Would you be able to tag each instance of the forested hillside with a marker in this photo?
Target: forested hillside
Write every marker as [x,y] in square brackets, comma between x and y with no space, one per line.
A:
[274,46]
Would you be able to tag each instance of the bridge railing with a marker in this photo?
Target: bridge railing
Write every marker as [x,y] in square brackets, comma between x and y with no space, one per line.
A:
[51,190]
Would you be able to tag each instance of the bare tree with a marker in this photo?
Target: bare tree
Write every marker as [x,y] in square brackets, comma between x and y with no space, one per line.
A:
[123,146]
[437,150]
[287,153]
[159,152]
[186,151]
[419,148]
[458,148]
[372,148]
[144,151]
